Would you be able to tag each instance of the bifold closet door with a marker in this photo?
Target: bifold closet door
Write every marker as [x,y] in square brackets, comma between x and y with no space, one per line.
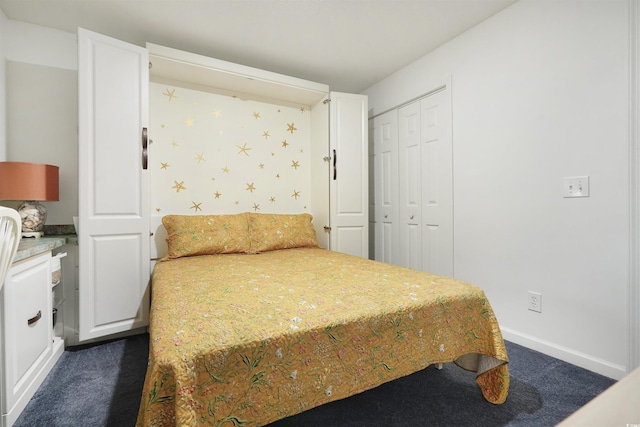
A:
[425,163]
[409,162]
[436,152]
[385,149]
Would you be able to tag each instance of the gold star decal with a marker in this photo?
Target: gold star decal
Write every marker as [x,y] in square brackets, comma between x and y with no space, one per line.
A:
[158,210]
[217,195]
[302,109]
[244,149]
[189,122]
[284,144]
[278,175]
[250,187]
[225,170]
[261,165]
[179,186]
[174,143]
[200,157]
[256,115]
[266,134]
[164,165]
[295,164]
[291,127]
[170,94]
[162,126]
[217,113]
[295,194]
[256,207]
[196,206]
[272,199]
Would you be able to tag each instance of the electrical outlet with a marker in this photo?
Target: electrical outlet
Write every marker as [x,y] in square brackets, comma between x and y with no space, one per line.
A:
[535,301]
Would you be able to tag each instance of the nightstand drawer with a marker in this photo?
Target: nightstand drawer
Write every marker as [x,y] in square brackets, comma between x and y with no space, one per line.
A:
[29,320]
[26,323]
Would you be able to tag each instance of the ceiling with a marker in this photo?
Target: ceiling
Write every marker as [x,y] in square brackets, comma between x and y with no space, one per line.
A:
[347,44]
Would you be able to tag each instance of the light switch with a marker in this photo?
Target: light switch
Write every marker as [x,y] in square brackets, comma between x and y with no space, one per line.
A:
[576,186]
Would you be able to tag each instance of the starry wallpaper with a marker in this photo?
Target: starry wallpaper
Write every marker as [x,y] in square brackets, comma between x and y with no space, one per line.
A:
[213,153]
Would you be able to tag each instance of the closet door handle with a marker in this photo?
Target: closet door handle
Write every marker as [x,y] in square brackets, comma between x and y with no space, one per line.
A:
[145,142]
[35,318]
[335,170]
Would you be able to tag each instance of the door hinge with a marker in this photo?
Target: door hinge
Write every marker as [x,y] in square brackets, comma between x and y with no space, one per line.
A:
[327,229]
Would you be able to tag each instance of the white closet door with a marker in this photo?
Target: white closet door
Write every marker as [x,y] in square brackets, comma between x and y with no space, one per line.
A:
[410,175]
[385,147]
[426,184]
[113,86]
[349,180]
[437,183]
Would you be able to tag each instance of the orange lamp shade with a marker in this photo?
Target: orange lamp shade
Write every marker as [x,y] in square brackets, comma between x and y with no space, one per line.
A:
[29,181]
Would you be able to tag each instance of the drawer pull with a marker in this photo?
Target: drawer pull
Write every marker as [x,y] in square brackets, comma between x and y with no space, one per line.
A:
[35,318]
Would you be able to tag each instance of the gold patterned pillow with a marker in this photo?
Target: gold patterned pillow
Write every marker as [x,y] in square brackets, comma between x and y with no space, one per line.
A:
[270,232]
[189,235]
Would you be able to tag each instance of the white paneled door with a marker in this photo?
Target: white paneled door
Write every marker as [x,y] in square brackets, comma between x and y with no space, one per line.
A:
[410,181]
[349,174]
[385,147]
[425,163]
[113,84]
[437,183]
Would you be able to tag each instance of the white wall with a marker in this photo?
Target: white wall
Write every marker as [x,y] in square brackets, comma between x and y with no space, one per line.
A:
[42,127]
[40,101]
[33,44]
[540,92]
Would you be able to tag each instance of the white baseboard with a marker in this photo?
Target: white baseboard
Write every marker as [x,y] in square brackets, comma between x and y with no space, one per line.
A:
[568,355]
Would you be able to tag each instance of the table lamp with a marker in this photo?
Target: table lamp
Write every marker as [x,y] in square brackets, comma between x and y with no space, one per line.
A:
[30,183]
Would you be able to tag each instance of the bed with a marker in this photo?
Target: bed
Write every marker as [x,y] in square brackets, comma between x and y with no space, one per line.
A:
[252,322]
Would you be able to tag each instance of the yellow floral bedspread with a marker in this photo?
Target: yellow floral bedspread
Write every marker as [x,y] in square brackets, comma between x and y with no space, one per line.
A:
[248,339]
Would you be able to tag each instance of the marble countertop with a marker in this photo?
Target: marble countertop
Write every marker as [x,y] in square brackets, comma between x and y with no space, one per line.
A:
[30,246]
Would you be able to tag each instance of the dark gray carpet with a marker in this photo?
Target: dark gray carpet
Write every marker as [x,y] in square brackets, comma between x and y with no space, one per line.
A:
[100,385]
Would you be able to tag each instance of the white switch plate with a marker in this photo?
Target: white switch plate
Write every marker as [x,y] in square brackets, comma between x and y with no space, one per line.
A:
[576,186]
